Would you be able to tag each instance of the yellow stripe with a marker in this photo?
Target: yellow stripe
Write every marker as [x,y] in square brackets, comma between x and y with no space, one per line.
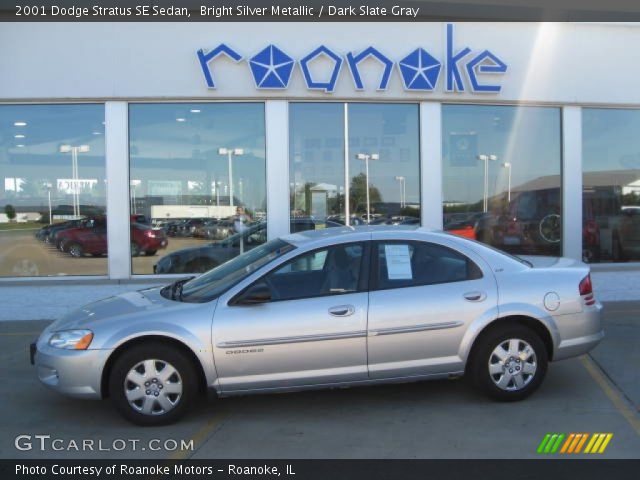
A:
[605,443]
[591,442]
[584,439]
[200,436]
[596,445]
[575,442]
[617,400]
[567,442]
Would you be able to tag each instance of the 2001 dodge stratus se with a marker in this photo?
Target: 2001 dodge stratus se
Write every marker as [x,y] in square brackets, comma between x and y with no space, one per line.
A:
[334,307]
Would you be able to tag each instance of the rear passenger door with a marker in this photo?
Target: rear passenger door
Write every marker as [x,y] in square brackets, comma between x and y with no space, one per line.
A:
[423,296]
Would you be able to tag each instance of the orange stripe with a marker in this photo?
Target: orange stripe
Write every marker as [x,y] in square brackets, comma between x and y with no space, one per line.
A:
[584,439]
[574,443]
[567,442]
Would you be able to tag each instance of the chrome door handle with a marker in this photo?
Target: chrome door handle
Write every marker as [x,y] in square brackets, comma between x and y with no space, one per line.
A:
[475,296]
[342,310]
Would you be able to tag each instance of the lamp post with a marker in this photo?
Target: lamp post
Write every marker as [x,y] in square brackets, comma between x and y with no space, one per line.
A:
[507,165]
[401,180]
[74,150]
[366,157]
[485,197]
[230,152]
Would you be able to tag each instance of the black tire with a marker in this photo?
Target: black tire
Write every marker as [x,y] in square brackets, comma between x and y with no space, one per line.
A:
[74,249]
[150,253]
[482,355]
[187,374]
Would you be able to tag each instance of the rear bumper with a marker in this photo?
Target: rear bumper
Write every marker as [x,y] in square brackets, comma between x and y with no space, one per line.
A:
[579,333]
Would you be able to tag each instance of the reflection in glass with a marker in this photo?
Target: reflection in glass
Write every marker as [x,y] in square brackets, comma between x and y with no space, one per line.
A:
[52,195]
[384,138]
[197,178]
[384,164]
[316,165]
[501,176]
[611,185]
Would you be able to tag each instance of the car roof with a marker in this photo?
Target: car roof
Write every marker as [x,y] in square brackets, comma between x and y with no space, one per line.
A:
[344,232]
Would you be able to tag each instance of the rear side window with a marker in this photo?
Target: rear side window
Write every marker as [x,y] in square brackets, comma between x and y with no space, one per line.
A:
[408,264]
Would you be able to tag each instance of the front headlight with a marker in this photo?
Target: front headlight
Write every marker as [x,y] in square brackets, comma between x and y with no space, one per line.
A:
[71,339]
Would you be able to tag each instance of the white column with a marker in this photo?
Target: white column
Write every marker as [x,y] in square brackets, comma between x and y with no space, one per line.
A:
[431,164]
[572,182]
[277,130]
[117,159]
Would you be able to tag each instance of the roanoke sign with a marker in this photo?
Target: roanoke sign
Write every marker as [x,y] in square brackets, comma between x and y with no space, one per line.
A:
[419,70]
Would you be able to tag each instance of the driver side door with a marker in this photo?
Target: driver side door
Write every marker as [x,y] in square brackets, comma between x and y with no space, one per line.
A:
[311,331]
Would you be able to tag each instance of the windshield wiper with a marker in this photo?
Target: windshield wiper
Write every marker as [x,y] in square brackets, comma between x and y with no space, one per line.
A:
[176,288]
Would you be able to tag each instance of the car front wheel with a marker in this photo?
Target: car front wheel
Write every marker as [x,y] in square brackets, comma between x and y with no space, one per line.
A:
[509,363]
[153,384]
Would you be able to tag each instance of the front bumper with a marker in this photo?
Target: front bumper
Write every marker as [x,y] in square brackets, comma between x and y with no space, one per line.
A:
[579,332]
[77,373]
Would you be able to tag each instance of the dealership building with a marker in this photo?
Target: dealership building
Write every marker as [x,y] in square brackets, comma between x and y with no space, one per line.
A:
[525,136]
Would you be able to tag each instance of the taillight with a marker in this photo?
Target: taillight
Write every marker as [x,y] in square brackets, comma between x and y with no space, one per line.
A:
[150,233]
[586,288]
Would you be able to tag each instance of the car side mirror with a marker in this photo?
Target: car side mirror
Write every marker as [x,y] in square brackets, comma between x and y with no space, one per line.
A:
[255,294]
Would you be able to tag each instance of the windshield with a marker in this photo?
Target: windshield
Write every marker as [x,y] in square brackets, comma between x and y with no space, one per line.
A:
[491,247]
[211,284]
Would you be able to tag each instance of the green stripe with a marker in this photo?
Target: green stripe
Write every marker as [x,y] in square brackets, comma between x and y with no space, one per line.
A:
[558,442]
[543,443]
[547,449]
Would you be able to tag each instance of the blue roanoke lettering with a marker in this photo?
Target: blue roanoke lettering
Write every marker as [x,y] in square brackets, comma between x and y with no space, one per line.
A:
[205,58]
[353,62]
[496,66]
[337,65]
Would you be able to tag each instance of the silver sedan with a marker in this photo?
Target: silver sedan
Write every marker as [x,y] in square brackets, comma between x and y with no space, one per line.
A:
[327,308]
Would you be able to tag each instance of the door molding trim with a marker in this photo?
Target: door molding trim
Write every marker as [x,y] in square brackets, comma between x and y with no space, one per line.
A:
[296,339]
[414,328]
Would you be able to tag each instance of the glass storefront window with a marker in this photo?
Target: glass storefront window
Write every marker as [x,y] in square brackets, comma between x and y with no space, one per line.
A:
[501,176]
[386,136]
[316,165]
[53,191]
[383,138]
[611,185]
[197,184]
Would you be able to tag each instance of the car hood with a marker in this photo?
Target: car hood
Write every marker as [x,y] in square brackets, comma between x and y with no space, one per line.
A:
[128,303]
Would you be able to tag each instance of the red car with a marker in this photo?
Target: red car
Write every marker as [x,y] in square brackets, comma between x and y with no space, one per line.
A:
[92,240]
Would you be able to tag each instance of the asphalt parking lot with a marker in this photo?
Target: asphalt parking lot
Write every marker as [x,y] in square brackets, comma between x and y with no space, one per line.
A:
[598,393]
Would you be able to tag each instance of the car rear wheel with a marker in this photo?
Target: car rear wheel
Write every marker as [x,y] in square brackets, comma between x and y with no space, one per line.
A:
[75,250]
[509,364]
[150,253]
[153,384]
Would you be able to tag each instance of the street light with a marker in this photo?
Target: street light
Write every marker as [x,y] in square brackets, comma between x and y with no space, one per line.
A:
[508,166]
[485,197]
[230,152]
[366,157]
[74,150]
[403,197]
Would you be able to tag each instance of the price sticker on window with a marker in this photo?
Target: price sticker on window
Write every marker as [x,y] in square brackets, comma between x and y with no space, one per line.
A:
[398,262]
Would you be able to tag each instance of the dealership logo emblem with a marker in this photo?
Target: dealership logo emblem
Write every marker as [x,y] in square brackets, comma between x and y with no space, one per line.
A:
[574,443]
[420,70]
[272,68]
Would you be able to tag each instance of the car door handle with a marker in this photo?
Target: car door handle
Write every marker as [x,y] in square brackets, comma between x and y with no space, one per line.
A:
[342,310]
[475,296]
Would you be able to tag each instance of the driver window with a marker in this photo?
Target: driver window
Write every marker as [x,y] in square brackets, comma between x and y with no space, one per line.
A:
[330,271]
